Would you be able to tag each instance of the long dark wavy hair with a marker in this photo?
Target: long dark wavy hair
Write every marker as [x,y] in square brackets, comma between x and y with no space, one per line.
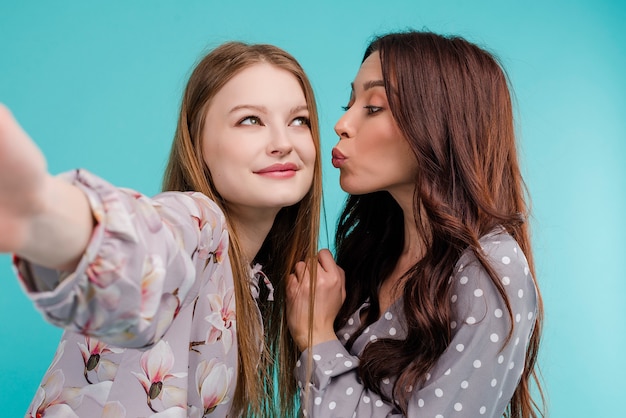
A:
[451,102]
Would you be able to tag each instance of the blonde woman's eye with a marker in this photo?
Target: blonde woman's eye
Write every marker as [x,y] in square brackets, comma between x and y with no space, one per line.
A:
[251,120]
[301,121]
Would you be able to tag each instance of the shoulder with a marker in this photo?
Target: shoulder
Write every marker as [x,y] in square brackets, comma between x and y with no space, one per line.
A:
[503,254]
[507,260]
[105,197]
[195,203]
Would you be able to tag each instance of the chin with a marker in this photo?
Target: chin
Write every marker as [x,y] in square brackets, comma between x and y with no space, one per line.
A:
[291,202]
[353,189]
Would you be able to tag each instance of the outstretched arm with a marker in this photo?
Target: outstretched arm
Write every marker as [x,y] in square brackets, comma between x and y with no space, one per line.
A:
[42,219]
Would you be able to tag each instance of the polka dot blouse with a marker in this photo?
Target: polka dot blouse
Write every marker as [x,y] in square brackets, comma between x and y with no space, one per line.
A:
[476,375]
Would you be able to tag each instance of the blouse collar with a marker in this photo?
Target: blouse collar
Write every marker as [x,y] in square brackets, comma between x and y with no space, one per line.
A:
[255,275]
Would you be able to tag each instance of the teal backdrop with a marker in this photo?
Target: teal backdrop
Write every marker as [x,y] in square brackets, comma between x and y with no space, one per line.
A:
[98,84]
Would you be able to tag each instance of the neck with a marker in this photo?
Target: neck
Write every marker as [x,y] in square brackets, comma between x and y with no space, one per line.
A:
[413,243]
[413,251]
[252,227]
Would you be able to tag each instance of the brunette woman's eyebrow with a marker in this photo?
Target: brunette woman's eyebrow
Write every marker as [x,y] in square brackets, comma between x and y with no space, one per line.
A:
[368,85]
[373,83]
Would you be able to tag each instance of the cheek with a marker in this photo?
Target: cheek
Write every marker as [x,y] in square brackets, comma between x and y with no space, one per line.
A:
[222,166]
[307,152]
[221,154]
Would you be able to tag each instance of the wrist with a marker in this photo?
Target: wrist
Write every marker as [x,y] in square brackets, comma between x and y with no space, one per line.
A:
[60,226]
[322,337]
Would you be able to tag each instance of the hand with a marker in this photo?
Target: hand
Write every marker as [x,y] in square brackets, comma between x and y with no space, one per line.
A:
[42,218]
[23,177]
[330,293]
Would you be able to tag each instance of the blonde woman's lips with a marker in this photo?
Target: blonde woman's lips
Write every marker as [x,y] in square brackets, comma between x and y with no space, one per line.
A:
[279,170]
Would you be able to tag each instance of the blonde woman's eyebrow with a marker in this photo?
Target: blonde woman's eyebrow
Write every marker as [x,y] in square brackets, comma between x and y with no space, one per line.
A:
[298,109]
[261,109]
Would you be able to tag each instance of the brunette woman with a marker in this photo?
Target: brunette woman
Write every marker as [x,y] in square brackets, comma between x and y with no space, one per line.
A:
[438,313]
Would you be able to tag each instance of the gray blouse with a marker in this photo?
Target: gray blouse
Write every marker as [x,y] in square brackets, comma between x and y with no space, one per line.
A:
[475,376]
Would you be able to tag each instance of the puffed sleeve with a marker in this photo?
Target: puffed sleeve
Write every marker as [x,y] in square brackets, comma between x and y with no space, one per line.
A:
[139,269]
[334,388]
[475,376]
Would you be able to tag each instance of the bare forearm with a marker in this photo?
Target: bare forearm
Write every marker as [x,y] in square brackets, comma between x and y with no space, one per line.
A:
[58,234]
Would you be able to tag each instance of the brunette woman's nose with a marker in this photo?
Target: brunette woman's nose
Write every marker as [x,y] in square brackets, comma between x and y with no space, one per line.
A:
[343,127]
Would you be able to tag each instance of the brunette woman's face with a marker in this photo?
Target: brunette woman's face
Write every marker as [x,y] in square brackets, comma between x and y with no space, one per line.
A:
[257,141]
[372,154]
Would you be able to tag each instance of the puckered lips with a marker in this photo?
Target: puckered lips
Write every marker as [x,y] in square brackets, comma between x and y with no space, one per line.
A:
[338,158]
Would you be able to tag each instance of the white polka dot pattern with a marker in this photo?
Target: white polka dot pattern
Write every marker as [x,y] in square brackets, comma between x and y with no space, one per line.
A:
[476,376]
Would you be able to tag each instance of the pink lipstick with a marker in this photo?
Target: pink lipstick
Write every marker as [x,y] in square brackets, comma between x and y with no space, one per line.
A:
[278,170]
[338,158]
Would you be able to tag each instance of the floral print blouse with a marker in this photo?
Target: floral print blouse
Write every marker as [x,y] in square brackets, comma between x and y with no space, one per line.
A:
[477,374]
[149,313]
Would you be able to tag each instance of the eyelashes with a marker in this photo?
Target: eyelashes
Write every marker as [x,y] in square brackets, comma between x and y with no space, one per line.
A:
[371,109]
[302,121]
[252,120]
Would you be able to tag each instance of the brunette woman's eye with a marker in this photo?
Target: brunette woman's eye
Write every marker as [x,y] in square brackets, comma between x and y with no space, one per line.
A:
[372,109]
[251,120]
[301,121]
[349,105]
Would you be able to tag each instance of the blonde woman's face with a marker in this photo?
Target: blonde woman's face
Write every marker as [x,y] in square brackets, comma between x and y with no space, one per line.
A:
[257,140]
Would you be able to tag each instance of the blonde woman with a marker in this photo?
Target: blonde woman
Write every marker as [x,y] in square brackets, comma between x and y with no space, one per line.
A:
[174,305]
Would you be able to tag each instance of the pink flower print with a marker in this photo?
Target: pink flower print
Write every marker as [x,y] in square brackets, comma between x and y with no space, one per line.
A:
[53,400]
[113,409]
[205,214]
[91,324]
[156,364]
[174,398]
[119,218]
[208,220]
[213,380]
[92,352]
[153,278]
[57,355]
[218,254]
[206,244]
[99,392]
[106,267]
[222,317]
[148,211]
[169,308]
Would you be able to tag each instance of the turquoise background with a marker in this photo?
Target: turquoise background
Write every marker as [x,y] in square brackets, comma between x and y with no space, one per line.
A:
[98,86]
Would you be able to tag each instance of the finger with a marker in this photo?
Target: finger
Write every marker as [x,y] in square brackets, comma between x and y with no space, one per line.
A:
[291,285]
[300,269]
[326,261]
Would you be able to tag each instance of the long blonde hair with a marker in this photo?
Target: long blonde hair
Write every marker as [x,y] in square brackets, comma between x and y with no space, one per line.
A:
[293,236]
